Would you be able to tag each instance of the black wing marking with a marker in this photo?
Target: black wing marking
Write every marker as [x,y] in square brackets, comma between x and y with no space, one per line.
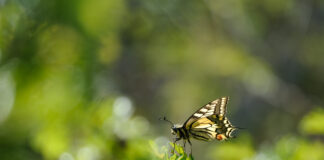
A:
[221,108]
[203,127]
[216,107]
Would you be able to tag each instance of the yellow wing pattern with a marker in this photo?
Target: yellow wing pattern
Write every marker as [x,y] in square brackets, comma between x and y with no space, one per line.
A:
[210,122]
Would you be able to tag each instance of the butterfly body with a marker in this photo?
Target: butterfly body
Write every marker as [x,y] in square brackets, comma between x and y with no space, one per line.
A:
[207,123]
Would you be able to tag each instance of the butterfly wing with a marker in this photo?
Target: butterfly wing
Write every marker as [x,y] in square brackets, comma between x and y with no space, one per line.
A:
[209,122]
[216,107]
[203,129]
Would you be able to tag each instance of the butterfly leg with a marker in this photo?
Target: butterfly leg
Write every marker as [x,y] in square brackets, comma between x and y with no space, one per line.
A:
[184,145]
[190,147]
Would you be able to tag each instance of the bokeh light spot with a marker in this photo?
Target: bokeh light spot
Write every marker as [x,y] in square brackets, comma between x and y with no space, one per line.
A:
[313,122]
[66,156]
[123,108]
[7,95]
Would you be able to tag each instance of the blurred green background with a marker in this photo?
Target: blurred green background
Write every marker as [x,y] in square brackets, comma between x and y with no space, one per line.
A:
[88,79]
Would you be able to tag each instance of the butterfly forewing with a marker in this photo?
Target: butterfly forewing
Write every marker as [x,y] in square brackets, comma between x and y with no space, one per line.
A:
[216,107]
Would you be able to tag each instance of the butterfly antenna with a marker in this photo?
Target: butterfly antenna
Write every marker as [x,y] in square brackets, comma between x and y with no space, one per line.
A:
[239,128]
[165,119]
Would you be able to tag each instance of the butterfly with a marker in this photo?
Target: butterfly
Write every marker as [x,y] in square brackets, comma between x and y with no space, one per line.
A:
[208,123]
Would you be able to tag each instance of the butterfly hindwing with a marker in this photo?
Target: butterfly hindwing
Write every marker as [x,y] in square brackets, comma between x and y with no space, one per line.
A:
[220,109]
[203,129]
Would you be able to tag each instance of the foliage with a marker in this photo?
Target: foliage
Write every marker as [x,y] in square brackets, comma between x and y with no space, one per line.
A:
[177,152]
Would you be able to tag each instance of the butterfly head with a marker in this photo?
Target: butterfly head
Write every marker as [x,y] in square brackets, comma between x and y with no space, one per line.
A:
[175,129]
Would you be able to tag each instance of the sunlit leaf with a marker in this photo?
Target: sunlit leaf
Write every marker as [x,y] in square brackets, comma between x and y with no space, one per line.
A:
[313,122]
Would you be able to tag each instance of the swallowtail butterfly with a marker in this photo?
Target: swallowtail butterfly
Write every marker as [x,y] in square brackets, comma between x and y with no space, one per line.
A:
[207,123]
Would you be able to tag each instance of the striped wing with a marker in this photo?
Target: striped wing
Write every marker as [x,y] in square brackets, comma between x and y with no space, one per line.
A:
[216,107]
[203,129]
[209,122]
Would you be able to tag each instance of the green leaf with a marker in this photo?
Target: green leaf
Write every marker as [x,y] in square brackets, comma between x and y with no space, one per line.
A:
[179,153]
